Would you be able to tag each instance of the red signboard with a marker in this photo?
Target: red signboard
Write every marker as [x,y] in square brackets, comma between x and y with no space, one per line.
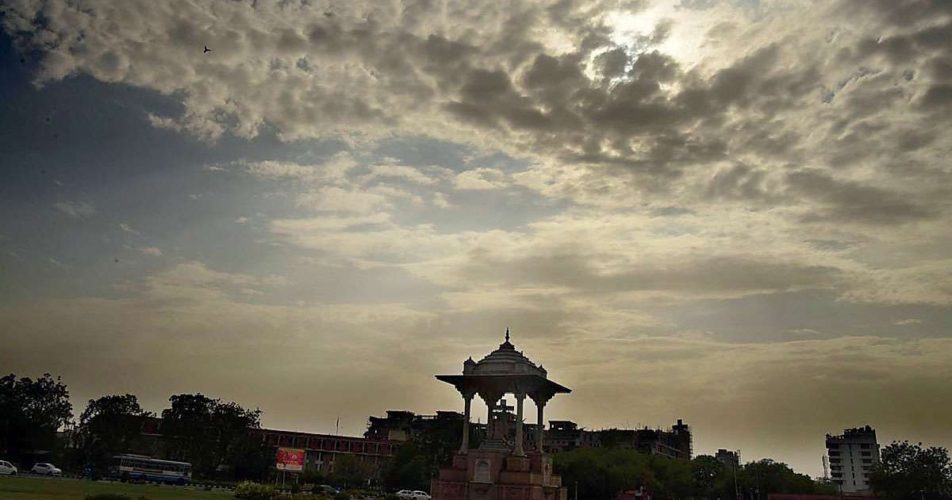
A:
[291,459]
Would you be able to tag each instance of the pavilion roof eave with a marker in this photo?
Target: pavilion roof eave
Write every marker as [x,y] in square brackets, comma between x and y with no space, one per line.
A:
[531,382]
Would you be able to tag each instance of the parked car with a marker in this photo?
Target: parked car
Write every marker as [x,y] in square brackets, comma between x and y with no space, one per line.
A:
[7,469]
[46,469]
[413,495]
[325,489]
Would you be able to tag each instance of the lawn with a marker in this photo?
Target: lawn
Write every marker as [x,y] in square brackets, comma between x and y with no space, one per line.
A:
[29,488]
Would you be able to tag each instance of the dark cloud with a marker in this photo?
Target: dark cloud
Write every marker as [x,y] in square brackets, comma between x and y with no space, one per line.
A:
[635,110]
[902,13]
[740,182]
[937,97]
[848,201]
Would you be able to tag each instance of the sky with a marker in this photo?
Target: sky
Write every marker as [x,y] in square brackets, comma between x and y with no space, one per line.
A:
[731,212]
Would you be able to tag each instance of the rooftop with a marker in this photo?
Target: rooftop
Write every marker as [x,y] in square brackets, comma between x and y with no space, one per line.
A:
[505,360]
[505,370]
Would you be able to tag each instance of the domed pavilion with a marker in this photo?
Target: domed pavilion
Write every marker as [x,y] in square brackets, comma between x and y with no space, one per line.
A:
[501,468]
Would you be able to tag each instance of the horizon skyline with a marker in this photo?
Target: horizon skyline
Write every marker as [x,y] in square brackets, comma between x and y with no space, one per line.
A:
[336,425]
[734,212]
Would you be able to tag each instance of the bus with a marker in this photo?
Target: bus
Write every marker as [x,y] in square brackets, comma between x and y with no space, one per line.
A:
[130,467]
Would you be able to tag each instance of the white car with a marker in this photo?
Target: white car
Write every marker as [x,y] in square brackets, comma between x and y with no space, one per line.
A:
[7,469]
[46,469]
[413,495]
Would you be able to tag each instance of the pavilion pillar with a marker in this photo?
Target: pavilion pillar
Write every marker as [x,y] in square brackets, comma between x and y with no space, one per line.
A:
[468,400]
[540,421]
[520,398]
[490,405]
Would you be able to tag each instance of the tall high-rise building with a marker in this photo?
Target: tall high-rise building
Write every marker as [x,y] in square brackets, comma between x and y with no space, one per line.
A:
[852,456]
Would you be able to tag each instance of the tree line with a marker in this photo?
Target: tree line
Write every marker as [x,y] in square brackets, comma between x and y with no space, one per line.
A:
[213,435]
[905,472]
[604,473]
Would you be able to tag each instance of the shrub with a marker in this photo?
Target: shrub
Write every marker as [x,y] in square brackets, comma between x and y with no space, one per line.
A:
[108,496]
[313,476]
[254,491]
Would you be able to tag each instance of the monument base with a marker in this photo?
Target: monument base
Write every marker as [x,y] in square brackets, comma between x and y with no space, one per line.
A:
[489,474]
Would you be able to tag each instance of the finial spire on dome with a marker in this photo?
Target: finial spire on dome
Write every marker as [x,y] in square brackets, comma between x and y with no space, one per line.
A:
[507,334]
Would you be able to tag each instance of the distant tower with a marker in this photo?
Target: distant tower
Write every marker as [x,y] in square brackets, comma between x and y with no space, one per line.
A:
[852,456]
[685,446]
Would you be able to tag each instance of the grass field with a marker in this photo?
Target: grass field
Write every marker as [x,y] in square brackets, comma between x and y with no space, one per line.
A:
[29,488]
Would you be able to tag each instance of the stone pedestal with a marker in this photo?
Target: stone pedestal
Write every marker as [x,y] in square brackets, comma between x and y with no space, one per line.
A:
[487,474]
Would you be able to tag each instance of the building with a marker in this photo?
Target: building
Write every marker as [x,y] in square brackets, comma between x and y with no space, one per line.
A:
[565,435]
[401,425]
[675,443]
[322,450]
[682,440]
[852,456]
[729,458]
[396,426]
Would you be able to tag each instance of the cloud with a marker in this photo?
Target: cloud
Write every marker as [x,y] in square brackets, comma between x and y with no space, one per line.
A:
[153,251]
[479,179]
[342,183]
[57,263]
[341,200]
[853,202]
[76,210]
[280,170]
[440,201]
[400,172]
[604,86]
[701,275]
[129,229]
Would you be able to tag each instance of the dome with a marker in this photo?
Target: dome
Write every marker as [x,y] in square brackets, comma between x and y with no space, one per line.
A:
[505,360]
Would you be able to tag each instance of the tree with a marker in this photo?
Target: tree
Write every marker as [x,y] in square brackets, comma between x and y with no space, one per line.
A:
[602,473]
[350,471]
[909,471]
[110,425]
[672,478]
[711,478]
[431,447]
[767,476]
[31,411]
[250,458]
[213,435]
[409,468]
